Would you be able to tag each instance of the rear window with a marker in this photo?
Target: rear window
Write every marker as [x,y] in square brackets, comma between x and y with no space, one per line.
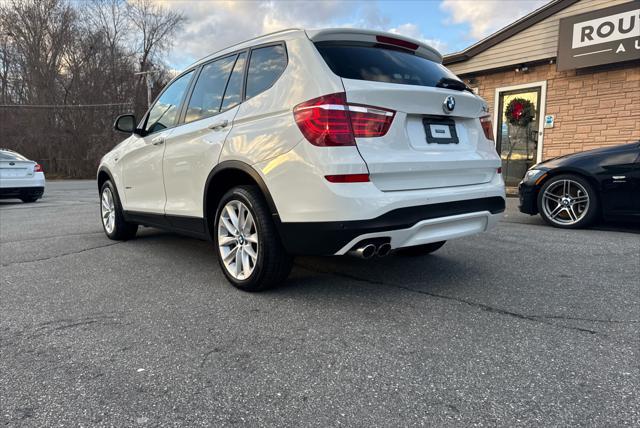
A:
[11,156]
[381,64]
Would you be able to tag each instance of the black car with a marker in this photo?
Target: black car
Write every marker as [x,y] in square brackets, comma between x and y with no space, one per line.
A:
[573,191]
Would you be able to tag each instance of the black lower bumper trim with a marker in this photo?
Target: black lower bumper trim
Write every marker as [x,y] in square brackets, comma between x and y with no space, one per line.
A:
[17,192]
[326,238]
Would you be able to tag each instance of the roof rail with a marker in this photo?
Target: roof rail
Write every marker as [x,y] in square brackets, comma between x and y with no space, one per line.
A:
[242,42]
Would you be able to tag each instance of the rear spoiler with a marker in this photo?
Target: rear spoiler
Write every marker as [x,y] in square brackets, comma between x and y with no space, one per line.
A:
[380,37]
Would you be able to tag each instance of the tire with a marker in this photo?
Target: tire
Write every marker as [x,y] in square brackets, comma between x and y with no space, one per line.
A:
[421,250]
[256,241]
[568,201]
[116,228]
[29,199]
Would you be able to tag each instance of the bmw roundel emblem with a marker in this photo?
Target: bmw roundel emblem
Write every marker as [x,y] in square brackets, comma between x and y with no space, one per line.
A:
[449,104]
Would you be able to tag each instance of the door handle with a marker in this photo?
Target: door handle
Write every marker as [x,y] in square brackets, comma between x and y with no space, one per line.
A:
[157,141]
[219,125]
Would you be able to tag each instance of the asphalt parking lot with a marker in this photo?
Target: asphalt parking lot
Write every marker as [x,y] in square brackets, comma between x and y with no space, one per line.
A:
[523,325]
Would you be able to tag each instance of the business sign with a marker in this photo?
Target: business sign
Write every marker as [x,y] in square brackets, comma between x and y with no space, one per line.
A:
[603,36]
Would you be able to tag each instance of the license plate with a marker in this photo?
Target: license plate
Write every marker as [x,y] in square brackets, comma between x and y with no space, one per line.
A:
[440,130]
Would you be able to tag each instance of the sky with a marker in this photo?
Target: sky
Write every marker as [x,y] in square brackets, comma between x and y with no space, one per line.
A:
[447,25]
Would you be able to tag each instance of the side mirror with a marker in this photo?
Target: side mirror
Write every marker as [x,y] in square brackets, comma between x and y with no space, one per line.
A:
[125,123]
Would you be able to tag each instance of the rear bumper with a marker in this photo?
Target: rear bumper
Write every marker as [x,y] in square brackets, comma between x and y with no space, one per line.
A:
[404,226]
[17,192]
[35,181]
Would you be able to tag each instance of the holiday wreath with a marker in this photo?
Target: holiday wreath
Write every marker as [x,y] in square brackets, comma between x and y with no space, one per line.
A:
[520,112]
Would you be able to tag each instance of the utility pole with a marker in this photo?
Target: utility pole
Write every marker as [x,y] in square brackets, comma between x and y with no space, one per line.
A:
[148,81]
[5,82]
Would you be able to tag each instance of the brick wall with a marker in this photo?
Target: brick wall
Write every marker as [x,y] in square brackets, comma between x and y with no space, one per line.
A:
[592,107]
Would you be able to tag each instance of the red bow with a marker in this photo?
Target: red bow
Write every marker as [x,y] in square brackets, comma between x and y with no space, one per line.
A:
[517,110]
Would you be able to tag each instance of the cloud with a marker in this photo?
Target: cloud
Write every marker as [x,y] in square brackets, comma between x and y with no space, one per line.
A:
[212,26]
[487,16]
[413,31]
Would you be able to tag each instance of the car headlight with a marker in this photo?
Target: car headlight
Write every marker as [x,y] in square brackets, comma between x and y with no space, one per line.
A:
[532,175]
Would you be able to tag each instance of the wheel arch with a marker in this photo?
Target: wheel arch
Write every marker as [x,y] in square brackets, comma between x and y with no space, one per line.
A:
[573,171]
[226,175]
[103,175]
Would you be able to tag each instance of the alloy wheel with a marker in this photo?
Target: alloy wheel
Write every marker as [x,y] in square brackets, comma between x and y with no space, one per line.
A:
[108,209]
[238,240]
[565,202]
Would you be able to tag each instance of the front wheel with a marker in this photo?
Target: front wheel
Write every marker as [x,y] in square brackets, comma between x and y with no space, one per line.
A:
[250,252]
[113,222]
[568,201]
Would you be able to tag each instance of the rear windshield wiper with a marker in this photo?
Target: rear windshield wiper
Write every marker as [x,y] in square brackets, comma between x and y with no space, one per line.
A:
[454,84]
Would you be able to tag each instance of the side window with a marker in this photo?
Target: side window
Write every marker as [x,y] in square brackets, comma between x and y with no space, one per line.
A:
[164,113]
[233,94]
[207,94]
[265,66]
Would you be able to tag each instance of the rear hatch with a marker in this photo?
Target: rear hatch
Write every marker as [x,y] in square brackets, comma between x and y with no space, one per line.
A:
[425,147]
[14,166]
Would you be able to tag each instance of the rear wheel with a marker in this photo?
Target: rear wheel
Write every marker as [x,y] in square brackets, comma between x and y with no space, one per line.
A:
[568,201]
[250,252]
[113,222]
[421,250]
[29,199]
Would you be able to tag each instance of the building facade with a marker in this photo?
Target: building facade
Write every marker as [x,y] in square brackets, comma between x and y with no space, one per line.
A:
[576,63]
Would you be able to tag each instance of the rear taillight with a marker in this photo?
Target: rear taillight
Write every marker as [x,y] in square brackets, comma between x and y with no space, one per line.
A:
[38,168]
[486,127]
[330,121]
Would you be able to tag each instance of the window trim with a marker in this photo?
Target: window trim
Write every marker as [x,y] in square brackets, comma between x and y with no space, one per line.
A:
[197,70]
[144,132]
[246,64]
[246,73]
[185,107]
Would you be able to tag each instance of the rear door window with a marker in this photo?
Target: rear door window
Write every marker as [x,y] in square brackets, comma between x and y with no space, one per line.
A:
[265,66]
[206,98]
[381,64]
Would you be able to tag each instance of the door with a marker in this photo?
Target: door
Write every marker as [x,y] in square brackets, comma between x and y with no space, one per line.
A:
[193,149]
[619,177]
[517,132]
[421,127]
[142,160]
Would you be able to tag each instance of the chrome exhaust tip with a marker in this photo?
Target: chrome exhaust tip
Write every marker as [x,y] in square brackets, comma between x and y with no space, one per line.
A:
[364,252]
[384,249]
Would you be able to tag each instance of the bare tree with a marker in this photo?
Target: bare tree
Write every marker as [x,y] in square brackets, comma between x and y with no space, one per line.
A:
[40,31]
[67,69]
[110,18]
[156,27]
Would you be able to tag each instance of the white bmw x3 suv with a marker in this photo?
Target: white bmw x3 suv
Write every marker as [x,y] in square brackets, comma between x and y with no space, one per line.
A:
[324,142]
